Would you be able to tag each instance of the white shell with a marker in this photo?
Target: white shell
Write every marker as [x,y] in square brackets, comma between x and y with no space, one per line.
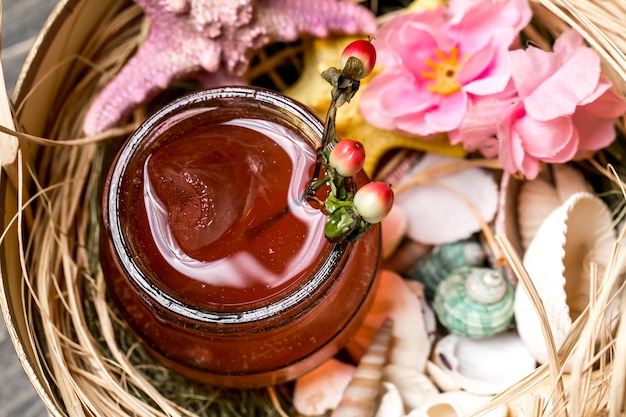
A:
[391,402]
[481,366]
[456,404]
[362,395]
[539,197]
[415,388]
[411,343]
[437,215]
[430,318]
[320,390]
[557,260]
[394,227]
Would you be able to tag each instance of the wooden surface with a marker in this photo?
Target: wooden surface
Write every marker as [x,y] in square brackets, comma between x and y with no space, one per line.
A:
[21,22]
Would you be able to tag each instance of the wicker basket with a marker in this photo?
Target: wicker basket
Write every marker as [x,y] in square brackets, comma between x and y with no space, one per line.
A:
[49,102]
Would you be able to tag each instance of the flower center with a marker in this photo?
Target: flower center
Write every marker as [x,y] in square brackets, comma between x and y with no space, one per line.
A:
[444,72]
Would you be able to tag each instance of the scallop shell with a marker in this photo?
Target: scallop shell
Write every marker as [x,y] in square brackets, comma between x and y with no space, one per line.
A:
[362,395]
[320,390]
[429,205]
[438,264]
[474,302]
[557,259]
[457,404]
[524,205]
[411,340]
[539,197]
[481,366]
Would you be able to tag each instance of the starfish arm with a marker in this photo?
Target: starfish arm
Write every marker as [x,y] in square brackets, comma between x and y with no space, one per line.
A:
[212,15]
[148,72]
[285,20]
[215,36]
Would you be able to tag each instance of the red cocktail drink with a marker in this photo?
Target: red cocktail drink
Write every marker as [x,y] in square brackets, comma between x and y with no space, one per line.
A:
[212,253]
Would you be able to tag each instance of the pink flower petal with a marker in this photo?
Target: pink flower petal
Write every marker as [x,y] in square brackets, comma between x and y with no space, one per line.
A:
[604,102]
[594,133]
[530,167]
[595,122]
[412,37]
[530,67]
[449,114]
[471,20]
[560,93]
[545,139]
[512,154]
[392,95]
[479,126]
[487,71]
[567,44]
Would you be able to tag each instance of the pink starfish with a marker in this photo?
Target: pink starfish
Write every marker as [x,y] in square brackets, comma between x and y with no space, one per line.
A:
[214,37]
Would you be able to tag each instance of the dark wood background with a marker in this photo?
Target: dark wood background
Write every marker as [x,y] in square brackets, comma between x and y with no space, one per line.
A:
[21,22]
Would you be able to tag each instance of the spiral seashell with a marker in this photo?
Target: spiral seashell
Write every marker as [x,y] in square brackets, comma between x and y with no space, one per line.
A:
[414,387]
[474,302]
[363,393]
[391,402]
[438,264]
[411,340]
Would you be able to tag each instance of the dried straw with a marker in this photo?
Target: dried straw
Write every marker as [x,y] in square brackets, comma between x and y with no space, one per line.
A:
[93,360]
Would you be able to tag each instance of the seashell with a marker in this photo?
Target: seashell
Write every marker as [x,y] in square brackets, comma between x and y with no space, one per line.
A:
[481,366]
[505,223]
[438,264]
[469,193]
[430,319]
[414,387]
[539,197]
[524,205]
[391,402]
[394,227]
[403,258]
[457,404]
[361,396]
[411,343]
[320,390]
[576,233]
[474,302]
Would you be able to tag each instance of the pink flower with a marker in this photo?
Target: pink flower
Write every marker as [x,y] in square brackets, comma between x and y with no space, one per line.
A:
[565,109]
[435,63]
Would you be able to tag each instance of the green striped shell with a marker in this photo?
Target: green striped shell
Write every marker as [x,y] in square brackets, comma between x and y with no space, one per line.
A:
[434,267]
[474,302]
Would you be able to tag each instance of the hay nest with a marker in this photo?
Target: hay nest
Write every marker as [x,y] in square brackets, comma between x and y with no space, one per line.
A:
[85,349]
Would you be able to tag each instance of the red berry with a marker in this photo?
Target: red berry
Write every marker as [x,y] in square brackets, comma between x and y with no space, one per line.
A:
[347,157]
[373,201]
[364,51]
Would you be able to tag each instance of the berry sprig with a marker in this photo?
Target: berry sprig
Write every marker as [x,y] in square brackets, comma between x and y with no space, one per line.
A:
[350,215]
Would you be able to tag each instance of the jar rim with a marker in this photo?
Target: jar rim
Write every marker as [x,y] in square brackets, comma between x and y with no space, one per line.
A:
[174,309]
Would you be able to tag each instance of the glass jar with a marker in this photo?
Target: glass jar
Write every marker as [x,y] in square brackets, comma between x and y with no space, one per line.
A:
[211,252]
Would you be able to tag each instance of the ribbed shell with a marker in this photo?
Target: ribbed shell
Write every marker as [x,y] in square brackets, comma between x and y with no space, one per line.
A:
[474,302]
[362,395]
[438,264]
